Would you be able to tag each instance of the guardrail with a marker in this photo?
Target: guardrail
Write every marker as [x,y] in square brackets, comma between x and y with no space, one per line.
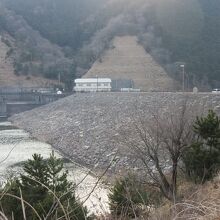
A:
[11,103]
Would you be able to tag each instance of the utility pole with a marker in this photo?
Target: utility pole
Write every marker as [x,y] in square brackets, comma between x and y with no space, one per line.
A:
[183,77]
[59,78]
[97,83]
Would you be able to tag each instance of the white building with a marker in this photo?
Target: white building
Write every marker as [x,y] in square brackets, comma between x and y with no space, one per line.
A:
[93,85]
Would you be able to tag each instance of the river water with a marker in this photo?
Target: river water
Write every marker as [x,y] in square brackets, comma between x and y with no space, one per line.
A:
[17,146]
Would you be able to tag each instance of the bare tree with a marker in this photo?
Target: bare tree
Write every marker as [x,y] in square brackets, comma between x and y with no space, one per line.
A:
[157,138]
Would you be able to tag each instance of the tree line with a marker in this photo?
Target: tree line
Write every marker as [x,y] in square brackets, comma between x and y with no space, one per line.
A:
[172,32]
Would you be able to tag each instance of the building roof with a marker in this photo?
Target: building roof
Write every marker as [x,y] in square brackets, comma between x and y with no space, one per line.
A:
[93,80]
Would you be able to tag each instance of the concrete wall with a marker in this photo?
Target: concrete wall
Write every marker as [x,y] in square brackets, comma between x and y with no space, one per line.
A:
[14,103]
[19,97]
[47,98]
[33,97]
[15,108]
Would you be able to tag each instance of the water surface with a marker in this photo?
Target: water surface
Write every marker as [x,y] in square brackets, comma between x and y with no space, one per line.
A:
[17,146]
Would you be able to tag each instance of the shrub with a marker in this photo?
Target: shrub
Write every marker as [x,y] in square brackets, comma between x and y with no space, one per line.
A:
[17,68]
[9,52]
[130,198]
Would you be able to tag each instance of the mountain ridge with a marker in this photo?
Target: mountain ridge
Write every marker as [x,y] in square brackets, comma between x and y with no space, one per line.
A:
[174,32]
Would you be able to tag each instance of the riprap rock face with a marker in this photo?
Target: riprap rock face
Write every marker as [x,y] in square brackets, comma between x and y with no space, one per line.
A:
[87,127]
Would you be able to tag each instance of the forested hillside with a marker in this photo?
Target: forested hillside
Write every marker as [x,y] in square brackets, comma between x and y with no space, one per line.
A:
[191,33]
[76,32]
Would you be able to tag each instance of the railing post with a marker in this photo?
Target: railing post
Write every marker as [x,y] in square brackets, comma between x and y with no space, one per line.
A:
[3,107]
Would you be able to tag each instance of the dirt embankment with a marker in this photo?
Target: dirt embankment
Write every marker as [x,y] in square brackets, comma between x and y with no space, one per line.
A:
[86,126]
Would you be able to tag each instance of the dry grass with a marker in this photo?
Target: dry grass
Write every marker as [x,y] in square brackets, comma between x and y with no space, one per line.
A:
[199,202]
[8,78]
[128,60]
[203,204]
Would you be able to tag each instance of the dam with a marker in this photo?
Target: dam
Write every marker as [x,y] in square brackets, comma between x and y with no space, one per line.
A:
[16,102]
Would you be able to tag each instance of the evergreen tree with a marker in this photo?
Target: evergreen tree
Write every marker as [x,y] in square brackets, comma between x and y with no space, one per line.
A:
[42,183]
[34,179]
[202,158]
[208,128]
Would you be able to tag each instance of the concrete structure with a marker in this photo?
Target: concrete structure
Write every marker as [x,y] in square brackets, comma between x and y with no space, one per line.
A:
[93,85]
[17,89]
[14,103]
[130,90]
[195,90]
[216,91]
[118,84]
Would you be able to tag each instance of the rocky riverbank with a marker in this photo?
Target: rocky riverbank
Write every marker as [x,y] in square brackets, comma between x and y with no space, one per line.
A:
[86,127]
